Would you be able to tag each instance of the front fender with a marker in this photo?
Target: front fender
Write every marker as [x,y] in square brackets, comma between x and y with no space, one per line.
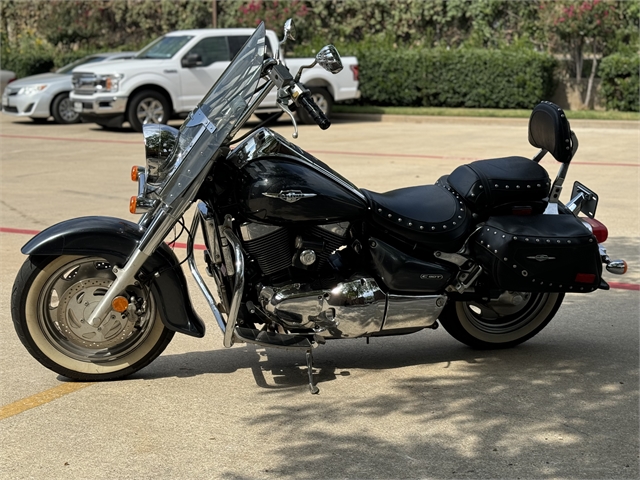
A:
[115,239]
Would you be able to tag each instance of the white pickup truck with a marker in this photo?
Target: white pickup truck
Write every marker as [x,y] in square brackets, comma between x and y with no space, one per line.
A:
[170,76]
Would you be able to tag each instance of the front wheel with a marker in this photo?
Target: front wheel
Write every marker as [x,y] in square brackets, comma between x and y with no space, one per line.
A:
[51,303]
[147,106]
[506,322]
[62,110]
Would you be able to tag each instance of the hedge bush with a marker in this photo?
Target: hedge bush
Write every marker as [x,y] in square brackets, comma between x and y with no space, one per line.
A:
[620,84]
[456,78]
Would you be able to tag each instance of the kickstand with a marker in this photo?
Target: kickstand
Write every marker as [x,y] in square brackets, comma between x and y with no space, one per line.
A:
[312,387]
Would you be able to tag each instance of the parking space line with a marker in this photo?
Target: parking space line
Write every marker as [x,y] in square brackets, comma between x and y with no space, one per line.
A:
[41,398]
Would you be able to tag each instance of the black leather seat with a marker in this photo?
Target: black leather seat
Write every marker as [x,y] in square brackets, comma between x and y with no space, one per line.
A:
[429,214]
[488,186]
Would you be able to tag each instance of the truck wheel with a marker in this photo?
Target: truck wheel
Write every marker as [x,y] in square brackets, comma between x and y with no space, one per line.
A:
[62,110]
[323,99]
[147,106]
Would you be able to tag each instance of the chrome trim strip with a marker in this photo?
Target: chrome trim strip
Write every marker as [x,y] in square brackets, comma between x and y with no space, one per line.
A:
[238,287]
[196,273]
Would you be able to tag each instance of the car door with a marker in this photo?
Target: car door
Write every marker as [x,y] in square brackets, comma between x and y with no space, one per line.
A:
[203,64]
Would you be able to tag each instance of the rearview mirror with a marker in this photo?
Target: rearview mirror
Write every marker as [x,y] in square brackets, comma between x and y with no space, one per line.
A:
[289,30]
[329,59]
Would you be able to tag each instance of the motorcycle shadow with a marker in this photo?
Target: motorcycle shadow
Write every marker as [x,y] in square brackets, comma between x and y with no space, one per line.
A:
[274,369]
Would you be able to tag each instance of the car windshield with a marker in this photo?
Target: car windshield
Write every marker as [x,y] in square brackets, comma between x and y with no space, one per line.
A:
[164,47]
[82,61]
[210,123]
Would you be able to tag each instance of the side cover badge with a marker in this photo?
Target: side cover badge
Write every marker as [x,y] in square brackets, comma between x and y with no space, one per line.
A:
[290,196]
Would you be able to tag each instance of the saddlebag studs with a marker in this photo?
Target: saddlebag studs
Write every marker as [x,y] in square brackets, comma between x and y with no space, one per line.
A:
[552,249]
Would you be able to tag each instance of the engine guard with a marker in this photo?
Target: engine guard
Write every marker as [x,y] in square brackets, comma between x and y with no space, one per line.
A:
[115,239]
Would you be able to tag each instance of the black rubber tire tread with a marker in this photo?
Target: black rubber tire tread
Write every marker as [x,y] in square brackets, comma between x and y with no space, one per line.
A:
[55,110]
[133,106]
[450,320]
[26,275]
[303,116]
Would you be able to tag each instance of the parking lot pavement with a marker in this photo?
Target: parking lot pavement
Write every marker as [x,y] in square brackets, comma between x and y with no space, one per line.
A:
[565,404]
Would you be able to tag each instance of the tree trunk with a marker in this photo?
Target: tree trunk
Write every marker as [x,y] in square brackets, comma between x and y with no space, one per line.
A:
[592,76]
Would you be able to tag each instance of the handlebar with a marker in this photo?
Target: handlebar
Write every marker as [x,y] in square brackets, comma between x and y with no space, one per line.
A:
[310,106]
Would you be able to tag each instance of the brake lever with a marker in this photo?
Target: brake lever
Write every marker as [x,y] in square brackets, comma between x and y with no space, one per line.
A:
[285,108]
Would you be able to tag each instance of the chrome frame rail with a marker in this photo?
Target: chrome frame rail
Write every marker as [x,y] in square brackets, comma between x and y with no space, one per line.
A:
[238,287]
[198,278]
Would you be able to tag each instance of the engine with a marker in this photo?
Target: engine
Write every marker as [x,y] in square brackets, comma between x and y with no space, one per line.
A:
[276,248]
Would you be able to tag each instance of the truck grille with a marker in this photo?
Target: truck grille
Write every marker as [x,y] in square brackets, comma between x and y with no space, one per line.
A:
[84,83]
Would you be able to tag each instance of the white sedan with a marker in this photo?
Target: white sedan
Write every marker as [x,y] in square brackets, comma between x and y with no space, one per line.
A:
[47,94]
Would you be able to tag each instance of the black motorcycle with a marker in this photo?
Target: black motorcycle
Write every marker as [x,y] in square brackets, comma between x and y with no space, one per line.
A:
[298,254]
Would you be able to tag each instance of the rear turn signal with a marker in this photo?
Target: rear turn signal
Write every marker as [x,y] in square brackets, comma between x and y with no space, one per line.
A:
[599,230]
[133,202]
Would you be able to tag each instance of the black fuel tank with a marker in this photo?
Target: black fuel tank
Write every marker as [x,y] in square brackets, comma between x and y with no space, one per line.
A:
[280,190]
[280,183]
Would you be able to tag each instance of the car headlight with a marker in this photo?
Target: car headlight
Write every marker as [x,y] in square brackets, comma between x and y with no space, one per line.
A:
[109,83]
[31,89]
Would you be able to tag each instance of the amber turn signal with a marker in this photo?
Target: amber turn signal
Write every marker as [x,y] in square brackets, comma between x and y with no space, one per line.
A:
[120,304]
[134,173]
[132,204]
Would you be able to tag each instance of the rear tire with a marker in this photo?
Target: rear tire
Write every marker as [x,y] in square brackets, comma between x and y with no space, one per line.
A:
[147,106]
[323,99]
[51,301]
[496,325]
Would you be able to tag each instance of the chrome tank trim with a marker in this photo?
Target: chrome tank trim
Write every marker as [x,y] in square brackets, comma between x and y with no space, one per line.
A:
[405,311]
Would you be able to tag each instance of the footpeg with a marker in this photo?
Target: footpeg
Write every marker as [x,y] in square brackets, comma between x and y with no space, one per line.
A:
[271,339]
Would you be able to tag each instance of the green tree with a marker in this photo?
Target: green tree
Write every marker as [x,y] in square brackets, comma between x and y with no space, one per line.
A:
[582,27]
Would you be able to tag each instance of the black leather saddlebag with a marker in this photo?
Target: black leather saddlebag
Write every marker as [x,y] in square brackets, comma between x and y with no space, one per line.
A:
[539,253]
[502,185]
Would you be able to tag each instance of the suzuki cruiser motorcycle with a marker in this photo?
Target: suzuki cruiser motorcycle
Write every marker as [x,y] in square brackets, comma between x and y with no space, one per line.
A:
[295,253]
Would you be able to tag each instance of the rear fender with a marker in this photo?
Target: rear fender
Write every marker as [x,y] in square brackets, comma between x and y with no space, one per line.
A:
[115,239]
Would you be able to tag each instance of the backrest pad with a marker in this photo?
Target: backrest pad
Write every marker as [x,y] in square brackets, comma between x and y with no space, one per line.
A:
[549,129]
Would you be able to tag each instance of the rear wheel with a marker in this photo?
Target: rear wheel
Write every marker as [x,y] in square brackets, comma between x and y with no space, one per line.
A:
[51,303]
[500,323]
[147,106]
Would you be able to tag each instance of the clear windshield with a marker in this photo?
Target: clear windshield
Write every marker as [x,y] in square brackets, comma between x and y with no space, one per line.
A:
[210,123]
[164,47]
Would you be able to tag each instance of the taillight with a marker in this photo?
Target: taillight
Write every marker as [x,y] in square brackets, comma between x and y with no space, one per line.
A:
[597,228]
[356,72]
